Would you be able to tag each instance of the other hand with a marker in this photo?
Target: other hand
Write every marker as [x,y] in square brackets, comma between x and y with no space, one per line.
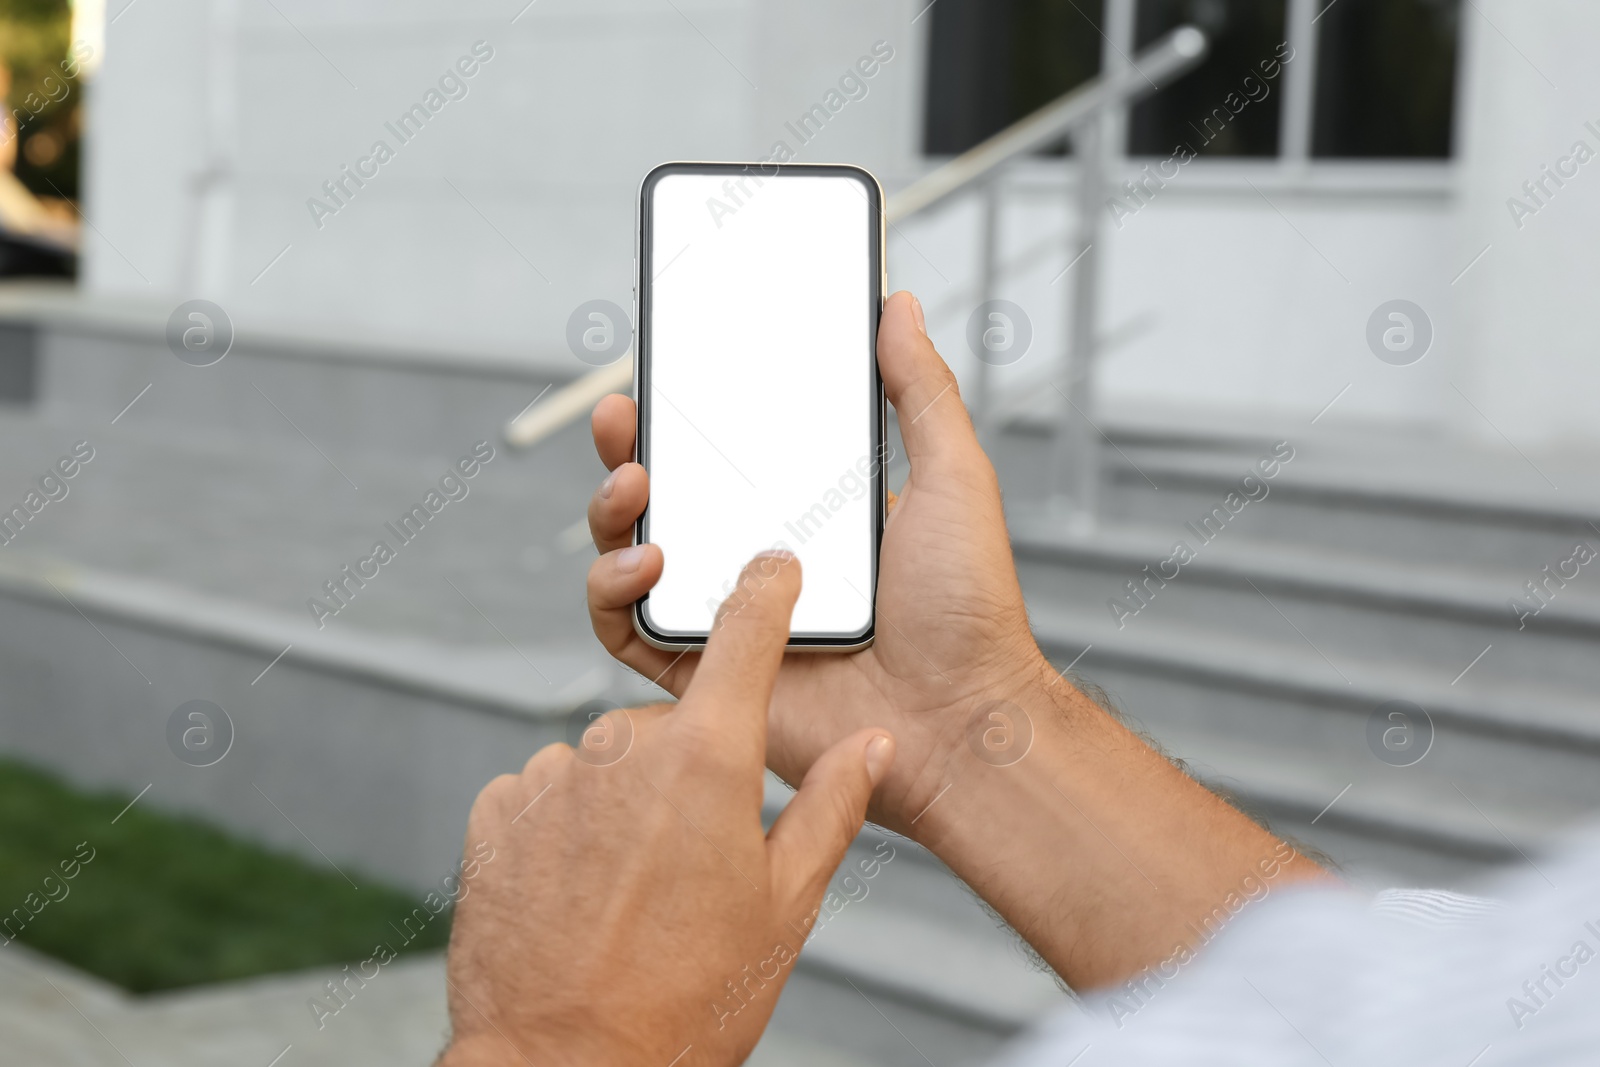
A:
[635,911]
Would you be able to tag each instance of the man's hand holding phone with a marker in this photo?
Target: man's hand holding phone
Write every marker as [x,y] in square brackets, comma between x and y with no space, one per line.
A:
[1091,844]
[952,631]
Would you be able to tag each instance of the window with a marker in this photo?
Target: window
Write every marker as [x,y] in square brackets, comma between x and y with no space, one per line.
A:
[1383,83]
[967,46]
[1056,46]
[1227,106]
[990,62]
[1386,73]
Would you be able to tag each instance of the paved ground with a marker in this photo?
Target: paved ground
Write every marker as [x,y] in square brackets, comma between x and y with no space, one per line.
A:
[52,1015]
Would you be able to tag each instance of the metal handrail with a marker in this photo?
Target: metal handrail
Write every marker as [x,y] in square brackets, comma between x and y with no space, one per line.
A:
[1174,54]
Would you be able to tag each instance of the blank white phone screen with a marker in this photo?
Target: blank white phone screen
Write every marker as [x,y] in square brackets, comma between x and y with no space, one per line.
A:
[761,399]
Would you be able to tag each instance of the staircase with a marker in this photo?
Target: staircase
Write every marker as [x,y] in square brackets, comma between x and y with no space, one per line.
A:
[1374,570]
[178,567]
[208,517]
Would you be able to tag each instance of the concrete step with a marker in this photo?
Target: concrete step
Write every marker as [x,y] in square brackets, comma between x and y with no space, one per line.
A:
[1378,567]
[1427,501]
[272,523]
[374,745]
[1358,610]
[1292,729]
[89,357]
[1383,825]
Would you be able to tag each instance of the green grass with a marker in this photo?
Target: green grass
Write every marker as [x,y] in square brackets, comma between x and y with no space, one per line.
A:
[169,901]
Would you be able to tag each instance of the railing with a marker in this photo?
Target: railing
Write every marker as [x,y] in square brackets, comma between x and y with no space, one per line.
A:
[1078,115]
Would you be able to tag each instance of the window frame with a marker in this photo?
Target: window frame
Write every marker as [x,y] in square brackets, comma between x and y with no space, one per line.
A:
[1297,115]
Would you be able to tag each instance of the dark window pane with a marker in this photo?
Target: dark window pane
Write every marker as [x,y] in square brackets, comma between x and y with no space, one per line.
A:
[969,44]
[991,62]
[1230,104]
[1386,73]
[1057,46]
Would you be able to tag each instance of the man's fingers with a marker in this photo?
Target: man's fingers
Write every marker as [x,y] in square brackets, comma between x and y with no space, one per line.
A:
[614,423]
[616,580]
[933,420]
[619,578]
[807,842]
[733,684]
[617,505]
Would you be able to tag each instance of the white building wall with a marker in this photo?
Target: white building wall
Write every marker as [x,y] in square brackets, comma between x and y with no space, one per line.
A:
[1243,289]
[1240,292]
[544,153]
[1526,311]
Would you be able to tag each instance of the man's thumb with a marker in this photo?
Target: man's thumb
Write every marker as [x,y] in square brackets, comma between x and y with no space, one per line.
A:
[933,421]
[809,839]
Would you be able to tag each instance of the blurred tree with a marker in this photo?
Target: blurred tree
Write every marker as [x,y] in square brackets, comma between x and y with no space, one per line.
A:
[43,101]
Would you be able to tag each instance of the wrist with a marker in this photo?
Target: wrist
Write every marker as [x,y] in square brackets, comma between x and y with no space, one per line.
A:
[1091,844]
[1001,753]
[989,721]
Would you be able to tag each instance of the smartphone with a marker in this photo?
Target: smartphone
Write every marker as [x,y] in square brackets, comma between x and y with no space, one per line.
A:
[761,411]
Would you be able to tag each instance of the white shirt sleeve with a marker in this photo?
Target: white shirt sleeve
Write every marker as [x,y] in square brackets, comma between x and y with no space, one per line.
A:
[1324,977]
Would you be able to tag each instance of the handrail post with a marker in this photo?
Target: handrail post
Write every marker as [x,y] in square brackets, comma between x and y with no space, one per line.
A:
[1075,453]
[1075,460]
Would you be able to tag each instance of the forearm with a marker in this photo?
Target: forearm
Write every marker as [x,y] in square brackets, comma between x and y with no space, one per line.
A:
[1097,850]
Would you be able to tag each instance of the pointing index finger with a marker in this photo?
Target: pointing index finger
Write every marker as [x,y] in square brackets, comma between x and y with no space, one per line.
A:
[733,684]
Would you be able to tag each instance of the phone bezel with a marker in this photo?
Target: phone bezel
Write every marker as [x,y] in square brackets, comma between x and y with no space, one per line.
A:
[643,259]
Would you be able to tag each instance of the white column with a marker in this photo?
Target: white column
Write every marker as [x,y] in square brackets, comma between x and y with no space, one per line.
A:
[1525,346]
